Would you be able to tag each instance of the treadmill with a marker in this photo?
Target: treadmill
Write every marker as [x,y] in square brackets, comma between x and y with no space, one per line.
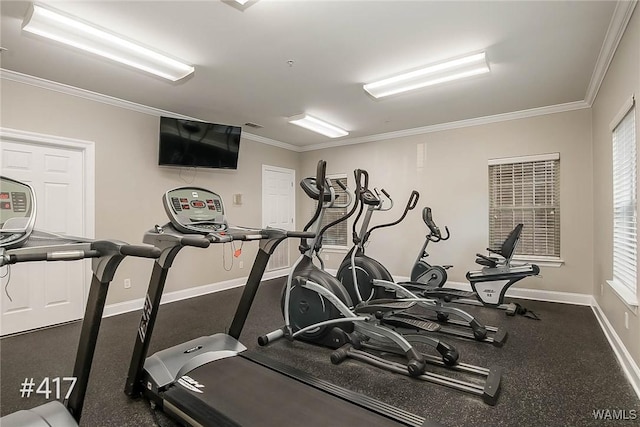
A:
[19,242]
[214,380]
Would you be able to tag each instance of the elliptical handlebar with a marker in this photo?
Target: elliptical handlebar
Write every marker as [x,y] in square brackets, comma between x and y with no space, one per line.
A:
[360,186]
[413,200]
[321,172]
[380,206]
[358,173]
[411,204]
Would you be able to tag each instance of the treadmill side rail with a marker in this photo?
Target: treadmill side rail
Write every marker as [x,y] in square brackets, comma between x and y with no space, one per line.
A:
[167,366]
[52,414]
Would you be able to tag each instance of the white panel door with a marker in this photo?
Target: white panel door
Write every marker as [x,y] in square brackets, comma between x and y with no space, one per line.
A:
[278,208]
[40,294]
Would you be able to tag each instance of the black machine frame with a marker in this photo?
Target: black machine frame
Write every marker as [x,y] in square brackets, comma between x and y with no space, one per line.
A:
[170,241]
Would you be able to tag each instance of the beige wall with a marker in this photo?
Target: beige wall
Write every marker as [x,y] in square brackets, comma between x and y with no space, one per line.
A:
[454,182]
[621,81]
[127,175]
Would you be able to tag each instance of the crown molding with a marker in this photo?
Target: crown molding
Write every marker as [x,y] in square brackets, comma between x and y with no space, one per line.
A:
[121,103]
[515,115]
[98,97]
[617,26]
[86,94]
[273,142]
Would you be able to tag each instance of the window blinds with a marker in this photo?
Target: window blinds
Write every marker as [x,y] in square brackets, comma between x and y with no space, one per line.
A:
[338,234]
[526,192]
[624,202]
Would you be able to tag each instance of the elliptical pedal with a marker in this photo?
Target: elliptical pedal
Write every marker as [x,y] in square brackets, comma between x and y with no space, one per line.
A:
[413,323]
[383,305]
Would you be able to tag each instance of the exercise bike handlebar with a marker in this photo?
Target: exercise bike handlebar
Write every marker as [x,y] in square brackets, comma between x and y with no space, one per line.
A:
[434,232]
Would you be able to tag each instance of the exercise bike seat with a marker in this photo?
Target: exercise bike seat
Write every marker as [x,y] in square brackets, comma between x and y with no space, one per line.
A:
[487,260]
[382,305]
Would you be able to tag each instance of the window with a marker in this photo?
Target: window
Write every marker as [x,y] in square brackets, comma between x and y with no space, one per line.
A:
[338,234]
[624,202]
[526,190]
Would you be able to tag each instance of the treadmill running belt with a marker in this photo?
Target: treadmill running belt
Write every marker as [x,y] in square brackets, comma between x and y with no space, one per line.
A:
[245,393]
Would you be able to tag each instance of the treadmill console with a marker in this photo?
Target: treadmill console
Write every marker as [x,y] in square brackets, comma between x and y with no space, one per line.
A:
[17,212]
[195,210]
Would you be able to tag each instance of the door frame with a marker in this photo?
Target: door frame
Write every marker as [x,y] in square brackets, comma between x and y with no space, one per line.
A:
[292,199]
[293,192]
[87,150]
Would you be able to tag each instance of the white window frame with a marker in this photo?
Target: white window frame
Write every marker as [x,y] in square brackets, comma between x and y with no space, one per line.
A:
[338,248]
[546,261]
[628,293]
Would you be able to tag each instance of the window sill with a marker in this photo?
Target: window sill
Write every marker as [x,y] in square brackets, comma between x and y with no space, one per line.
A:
[335,249]
[542,261]
[625,295]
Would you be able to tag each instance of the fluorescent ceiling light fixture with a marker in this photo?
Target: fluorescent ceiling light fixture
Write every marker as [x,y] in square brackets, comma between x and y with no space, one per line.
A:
[82,35]
[442,72]
[314,124]
[242,2]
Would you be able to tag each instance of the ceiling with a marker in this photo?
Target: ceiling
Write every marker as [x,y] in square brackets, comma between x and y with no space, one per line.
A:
[541,54]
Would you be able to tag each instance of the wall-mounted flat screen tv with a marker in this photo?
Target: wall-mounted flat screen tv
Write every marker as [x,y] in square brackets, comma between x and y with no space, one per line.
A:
[198,144]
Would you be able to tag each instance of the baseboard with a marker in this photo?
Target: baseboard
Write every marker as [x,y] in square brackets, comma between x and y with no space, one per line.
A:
[536,294]
[629,366]
[133,305]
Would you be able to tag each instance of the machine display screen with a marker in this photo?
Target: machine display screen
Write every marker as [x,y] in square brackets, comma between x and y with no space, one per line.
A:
[16,204]
[193,206]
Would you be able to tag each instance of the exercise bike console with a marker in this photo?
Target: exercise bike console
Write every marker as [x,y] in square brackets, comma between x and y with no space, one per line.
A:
[194,210]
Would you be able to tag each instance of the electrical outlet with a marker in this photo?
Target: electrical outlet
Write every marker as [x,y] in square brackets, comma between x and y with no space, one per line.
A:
[626,319]
[241,264]
[326,257]
[127,283]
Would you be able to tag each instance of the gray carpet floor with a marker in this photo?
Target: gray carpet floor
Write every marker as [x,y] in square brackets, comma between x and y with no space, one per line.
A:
[557,371]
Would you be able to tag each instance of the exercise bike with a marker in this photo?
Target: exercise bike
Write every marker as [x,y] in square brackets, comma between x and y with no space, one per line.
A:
[489,284]
[422,271]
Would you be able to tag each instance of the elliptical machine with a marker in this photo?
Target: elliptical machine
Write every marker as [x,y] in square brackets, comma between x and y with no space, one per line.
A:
[422,271]
[318,309]
[321,302]
[367,279]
